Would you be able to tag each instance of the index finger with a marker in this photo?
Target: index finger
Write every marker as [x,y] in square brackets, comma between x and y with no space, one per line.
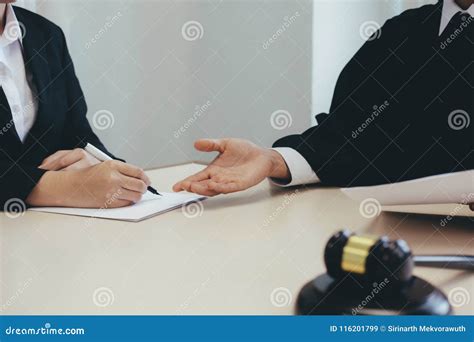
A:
[197,177]
[210,145]
[134,171]
[70,158]
[53,157]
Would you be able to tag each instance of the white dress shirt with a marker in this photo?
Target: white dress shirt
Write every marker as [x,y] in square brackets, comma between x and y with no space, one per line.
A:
[300,170]
[450,8]
[13,76]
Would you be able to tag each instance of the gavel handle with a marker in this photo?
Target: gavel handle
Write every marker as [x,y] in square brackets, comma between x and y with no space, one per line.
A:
[456,262]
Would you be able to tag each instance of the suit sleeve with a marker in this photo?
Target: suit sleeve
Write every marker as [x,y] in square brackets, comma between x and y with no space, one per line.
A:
[77,131]
[337,156]
[17,180]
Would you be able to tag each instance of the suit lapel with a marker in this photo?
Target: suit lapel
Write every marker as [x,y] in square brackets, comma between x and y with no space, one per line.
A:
[9,139]
[35,45]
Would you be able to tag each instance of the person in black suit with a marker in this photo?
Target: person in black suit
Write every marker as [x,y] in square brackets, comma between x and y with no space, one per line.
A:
[401,110]
[43,124]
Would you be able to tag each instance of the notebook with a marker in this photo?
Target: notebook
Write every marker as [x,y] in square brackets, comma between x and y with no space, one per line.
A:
[150,205]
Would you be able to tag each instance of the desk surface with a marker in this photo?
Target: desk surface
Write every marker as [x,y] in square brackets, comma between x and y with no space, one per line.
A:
[245,253]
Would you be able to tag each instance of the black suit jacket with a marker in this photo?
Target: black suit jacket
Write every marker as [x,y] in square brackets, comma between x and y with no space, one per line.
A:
[61,119]
[389,119]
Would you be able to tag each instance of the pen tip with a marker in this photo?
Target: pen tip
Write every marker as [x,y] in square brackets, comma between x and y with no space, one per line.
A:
[153,191]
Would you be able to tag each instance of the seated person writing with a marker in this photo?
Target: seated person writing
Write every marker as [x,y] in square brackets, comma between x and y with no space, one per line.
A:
[43,121]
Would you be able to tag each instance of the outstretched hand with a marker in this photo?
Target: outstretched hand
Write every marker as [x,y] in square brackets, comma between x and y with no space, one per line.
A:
[239,166]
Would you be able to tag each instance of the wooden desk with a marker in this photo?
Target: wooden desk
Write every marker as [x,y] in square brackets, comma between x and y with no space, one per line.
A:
[229,259]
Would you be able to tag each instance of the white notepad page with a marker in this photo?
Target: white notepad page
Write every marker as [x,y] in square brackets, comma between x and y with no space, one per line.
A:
[456,187]
[150,205]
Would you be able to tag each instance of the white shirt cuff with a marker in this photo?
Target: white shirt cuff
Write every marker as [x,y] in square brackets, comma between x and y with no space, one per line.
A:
[300,170]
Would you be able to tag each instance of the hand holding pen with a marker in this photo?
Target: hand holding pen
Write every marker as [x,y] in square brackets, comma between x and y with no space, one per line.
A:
[107,184]
[95,152]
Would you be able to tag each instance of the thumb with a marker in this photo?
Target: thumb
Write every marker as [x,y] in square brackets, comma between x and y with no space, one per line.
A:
[209,145]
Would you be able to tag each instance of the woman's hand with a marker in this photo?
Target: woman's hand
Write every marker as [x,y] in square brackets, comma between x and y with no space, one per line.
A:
[67,160]
[109,184]
[239,166]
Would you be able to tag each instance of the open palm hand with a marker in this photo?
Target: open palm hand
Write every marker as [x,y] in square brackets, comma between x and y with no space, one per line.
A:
[239,166]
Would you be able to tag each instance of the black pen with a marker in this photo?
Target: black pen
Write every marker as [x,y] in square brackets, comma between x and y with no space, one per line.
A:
[153,191]
[95,152]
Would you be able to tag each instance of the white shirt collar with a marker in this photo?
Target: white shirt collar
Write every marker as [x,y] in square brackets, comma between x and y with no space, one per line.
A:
[450,8]
[12,31]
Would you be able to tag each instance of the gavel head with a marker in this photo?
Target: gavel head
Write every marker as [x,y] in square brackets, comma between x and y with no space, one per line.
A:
[367,258]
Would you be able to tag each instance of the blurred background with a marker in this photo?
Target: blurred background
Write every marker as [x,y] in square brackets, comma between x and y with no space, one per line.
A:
[158,74]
